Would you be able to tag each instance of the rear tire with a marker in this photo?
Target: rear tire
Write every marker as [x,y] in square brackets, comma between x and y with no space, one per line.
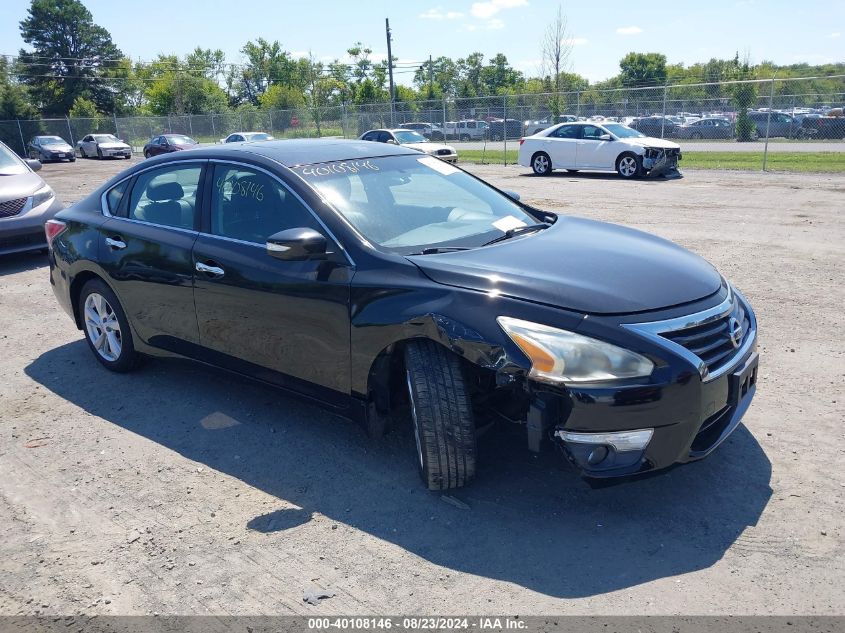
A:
[99,153]
[106,327]
[441,413]
[541,164]
[696,135]
[629,166]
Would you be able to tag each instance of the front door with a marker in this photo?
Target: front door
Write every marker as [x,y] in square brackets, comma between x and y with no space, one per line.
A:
[561,146]
[146,250]
[593,152]
[283,321]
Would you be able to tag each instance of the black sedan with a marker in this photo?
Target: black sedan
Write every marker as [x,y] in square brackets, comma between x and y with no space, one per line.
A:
[47,148]
[167,143]
[376,281]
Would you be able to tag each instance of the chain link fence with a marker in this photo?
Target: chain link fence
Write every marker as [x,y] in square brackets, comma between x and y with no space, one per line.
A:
[798,111]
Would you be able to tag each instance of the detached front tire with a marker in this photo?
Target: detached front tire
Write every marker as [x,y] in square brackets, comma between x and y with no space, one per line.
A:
[106,327]
[441,413]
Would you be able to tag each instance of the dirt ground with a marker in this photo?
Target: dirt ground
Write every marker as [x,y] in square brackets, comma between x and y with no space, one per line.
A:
[182,490]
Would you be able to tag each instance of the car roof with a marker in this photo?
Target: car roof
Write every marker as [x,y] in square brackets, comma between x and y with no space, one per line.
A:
[294,152]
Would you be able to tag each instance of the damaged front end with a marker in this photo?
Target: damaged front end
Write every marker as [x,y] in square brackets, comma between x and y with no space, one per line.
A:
[658,161]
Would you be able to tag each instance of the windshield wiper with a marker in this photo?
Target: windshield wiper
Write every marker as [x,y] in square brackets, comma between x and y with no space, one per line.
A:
[441,249]
[519,230]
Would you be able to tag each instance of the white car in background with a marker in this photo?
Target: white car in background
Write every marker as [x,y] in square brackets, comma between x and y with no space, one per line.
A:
[414,140]
[599,147]
[103,146]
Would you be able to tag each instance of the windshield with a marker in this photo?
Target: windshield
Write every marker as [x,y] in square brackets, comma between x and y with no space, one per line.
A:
[408,203]
[258,136]
[176,139]
[408,137]
[51,140]
[9,162]
[106,138]
[622,131]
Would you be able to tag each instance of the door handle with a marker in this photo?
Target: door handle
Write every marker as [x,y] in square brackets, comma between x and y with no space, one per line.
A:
[211,270]
[115,243]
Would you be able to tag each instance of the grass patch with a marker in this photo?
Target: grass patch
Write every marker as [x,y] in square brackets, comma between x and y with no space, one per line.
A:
[818,162]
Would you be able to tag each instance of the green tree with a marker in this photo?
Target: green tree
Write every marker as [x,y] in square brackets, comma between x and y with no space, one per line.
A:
[743,95]
[643,69]
[69,56]
[267,64]
[83,108]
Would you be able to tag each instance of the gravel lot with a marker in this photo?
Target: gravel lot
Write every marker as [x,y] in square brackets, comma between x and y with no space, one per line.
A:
[180,489]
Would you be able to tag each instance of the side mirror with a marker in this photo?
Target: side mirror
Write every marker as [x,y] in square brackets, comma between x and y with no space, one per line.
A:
[35,165]
[297,245]
[605,137]
[391,141]
[512,194]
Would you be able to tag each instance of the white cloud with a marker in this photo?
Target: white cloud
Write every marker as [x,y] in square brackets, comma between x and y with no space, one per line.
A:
[437,13]
[629,30]
[833,36]
[486,10]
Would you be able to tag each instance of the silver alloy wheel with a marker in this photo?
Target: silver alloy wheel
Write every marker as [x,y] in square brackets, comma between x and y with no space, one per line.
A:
[414,418]
[541,164]
[102,327]
[628,166]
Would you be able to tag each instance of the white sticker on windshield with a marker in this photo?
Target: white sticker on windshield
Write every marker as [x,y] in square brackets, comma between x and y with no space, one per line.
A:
[438,165]
[507,223]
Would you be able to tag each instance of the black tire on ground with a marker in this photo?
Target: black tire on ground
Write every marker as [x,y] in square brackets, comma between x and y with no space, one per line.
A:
[441,412]
[99,153]
[629,165]
[696,135]
[73,159]
[541,164]
[128,358]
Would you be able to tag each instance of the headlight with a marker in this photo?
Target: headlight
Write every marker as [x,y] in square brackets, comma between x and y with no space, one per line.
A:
[42,195]
[559,356]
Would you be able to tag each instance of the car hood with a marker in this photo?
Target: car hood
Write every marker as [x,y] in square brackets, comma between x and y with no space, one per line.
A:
[18,185]
[428,148]
[58,147]
[650,141]
[581,265]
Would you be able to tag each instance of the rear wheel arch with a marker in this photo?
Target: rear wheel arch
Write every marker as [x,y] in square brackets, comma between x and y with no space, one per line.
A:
[76,286]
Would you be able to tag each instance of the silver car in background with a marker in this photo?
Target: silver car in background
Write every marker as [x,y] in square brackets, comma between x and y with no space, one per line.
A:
[26,203]
[103,146]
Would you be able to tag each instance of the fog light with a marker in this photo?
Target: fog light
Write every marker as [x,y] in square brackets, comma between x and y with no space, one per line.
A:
[621,442]
[597,455]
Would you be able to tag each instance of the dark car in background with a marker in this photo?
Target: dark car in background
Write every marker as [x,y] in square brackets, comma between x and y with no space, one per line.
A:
[705,128]
[388,285]
[50,148]
[656,126]
[499,128]
[823,127]
[777,124]
[167,143]
[26,203]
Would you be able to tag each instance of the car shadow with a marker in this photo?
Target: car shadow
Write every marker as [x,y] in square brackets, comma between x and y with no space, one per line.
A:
[530,520]
[20,262]
[598,175]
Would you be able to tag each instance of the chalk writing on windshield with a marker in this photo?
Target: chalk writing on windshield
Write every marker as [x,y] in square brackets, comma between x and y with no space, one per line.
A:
[342,167]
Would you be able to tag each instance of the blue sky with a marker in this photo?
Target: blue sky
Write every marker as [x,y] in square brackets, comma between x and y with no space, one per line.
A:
[784,32]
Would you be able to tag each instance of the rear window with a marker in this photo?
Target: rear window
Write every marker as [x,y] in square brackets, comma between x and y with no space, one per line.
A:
[115,196]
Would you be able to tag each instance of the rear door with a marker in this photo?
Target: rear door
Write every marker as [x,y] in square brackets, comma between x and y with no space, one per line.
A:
[561,146]
[282,321]
[594,153]
[146,251]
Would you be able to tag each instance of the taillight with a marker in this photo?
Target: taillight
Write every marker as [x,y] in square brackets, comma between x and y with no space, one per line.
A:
[52,228]
[522,140]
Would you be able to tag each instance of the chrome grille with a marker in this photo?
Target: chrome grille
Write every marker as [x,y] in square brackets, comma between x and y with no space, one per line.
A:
[12,207]
[717,340]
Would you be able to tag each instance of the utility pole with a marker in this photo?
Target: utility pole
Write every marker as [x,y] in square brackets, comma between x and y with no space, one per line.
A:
[430,78]
[389,68]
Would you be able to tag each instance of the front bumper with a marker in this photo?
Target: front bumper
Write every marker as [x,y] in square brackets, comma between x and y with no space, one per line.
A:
[689,413]
[25,232]
[117,153]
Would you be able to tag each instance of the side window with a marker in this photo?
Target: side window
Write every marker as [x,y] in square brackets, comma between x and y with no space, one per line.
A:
[166,196]
[249,205]
[384,137]
[566,131]
[370,136]
[591,132]
[115,196]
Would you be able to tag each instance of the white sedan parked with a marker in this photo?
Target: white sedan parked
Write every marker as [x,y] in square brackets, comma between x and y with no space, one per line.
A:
[597,146]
